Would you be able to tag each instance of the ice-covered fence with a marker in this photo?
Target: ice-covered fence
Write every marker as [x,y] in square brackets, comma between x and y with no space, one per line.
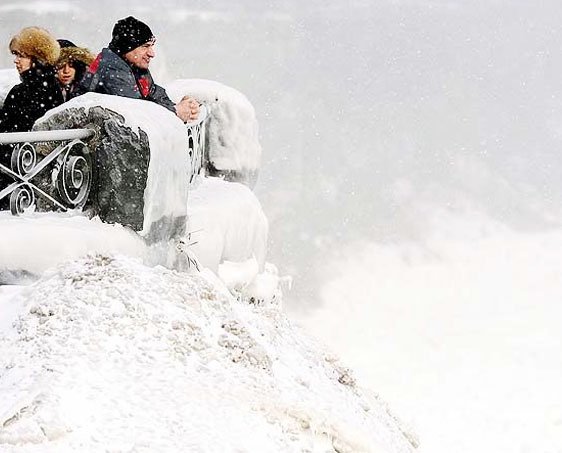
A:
[63,177]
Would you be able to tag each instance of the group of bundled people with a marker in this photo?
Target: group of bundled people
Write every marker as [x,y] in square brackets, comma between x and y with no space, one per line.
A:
[53,71]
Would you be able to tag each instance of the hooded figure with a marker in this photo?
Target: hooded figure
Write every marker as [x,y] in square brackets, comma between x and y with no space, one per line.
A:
[121,69]
[35,54]
[71,67]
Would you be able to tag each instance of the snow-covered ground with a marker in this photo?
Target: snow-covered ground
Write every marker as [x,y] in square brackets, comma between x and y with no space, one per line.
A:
[106,354]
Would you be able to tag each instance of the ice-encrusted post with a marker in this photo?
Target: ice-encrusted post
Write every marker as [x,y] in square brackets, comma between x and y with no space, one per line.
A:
[196,131]
[232,150]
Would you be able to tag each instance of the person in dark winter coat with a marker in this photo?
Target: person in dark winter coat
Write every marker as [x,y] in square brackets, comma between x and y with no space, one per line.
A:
[35,54]
[122,69]
[71,67]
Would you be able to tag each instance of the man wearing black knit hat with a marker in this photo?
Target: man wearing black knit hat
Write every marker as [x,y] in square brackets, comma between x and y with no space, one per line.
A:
[122,69]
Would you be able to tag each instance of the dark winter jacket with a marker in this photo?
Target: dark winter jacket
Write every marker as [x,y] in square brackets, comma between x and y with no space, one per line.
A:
[26,102]
[111,74]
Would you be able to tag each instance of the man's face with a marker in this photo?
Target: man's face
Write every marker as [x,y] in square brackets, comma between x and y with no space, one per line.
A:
[141,56]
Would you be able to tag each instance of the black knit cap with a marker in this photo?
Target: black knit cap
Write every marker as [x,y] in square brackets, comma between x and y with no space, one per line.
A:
[64,43]
[128,34]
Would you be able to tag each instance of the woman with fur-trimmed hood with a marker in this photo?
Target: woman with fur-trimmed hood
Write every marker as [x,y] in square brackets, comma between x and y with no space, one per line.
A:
[35,55]
[71,67]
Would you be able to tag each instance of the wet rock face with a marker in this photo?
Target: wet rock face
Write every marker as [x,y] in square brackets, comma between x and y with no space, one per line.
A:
[121,164]
[120,160]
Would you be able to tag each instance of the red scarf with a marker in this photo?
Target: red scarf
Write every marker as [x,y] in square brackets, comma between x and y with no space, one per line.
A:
[144,86]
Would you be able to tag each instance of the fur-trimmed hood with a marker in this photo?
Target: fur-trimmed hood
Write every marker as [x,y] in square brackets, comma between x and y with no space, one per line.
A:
[75,54]
[36,43]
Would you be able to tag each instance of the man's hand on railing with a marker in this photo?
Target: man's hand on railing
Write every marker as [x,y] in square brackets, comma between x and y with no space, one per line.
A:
[187,109]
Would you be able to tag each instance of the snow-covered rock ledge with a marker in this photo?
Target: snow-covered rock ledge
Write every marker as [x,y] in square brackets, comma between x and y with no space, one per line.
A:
[106,354]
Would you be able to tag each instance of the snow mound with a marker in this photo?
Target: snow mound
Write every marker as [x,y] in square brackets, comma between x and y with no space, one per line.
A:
[227,222]
[107,354]
[35,242]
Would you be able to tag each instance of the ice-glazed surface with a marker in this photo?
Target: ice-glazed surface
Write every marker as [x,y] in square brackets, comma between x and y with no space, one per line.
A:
[233,127]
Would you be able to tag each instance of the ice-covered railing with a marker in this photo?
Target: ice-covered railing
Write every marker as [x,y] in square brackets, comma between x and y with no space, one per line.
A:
[69,164]
[144,160]
[196,141]
[68,158]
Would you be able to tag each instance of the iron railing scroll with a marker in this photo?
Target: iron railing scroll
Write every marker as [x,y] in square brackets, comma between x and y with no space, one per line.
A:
[68,160]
